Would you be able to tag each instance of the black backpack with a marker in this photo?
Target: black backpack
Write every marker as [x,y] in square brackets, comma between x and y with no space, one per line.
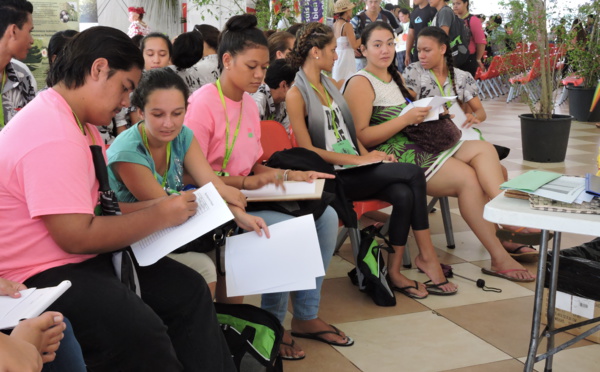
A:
[460,36]
[253,336]
[371,264]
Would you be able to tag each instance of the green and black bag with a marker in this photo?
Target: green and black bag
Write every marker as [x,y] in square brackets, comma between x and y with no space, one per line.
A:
[253,336]
[371,264]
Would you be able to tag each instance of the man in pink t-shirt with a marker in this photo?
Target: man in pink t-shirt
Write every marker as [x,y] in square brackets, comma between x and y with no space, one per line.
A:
[49,233]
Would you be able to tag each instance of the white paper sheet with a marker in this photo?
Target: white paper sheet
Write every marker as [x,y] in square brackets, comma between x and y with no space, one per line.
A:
[565,189]
[459,119]
[212,212]
[436,104]
[31,304]
[291,188]
[289,261]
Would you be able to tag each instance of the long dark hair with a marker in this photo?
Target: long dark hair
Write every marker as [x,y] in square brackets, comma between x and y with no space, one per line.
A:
[443,39]
[73,65]
[311,35]
[392,68]
[240,33]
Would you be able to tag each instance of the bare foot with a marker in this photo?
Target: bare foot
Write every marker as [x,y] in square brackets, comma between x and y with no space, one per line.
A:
[400,281]
[318,325]
[433,270]
[44,332]
[510,264]
[289,348]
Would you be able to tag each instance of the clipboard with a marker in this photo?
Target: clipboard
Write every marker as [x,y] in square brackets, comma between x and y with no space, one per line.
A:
[293,192]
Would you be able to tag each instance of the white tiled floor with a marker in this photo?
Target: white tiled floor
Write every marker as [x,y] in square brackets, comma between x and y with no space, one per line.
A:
[471,331]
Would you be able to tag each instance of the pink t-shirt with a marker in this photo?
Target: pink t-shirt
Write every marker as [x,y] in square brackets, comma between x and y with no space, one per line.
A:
[206,117]
[477,35]
[46,167]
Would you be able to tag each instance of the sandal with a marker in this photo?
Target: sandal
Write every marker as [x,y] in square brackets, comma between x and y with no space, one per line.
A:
[434,289]
[317,336]
[520,256]
[404,290]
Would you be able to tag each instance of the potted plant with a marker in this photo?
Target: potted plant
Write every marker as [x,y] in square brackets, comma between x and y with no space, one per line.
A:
[584,61]
[544,134]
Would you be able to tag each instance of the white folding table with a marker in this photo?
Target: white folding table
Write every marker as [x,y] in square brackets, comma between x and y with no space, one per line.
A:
[517,212]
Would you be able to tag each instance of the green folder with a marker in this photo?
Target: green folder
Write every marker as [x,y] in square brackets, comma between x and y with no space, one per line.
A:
[530,181]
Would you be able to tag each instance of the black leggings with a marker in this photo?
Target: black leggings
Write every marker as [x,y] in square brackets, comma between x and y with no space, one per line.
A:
[172,327]
[402,185]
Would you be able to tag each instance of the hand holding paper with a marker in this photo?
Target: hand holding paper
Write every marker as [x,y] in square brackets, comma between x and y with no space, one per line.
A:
[436,104]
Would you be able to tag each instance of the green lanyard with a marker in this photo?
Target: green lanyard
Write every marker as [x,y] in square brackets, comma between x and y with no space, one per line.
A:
[1,105]
[330,105]
[145,139]
[228,148]
[442,91]
[82,128]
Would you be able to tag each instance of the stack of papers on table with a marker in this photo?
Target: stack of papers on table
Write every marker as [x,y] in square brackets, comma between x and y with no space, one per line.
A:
[288,261]
[550,185]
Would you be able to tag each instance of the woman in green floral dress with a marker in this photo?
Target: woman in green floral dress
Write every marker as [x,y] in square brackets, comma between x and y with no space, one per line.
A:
[470,170]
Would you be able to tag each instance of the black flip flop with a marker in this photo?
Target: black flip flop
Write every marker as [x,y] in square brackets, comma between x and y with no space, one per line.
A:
[285,357]
[434,289]
[524,256]
[404,290]
[317,337]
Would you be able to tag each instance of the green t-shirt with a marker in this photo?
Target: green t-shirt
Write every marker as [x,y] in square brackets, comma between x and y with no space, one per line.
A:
[129,147]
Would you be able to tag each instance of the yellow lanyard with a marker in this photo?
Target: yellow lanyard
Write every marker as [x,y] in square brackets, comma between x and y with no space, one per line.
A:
[330,105]
[442,91]
[145,140]
[228,148]
[1,105]
[82,128]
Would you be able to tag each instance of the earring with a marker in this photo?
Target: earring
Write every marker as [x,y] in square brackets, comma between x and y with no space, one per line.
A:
[317,57]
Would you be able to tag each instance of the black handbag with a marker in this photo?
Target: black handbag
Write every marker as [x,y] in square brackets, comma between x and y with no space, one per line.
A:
[434,136]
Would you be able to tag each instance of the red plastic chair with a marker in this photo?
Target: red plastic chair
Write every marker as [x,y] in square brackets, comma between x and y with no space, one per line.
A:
[273,138]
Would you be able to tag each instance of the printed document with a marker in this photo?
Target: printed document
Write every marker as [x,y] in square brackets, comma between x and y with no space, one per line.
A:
[31,304]
[288,261]
[212,212]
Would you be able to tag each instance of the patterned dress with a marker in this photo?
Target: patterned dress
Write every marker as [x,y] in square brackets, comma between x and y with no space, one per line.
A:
[388,104]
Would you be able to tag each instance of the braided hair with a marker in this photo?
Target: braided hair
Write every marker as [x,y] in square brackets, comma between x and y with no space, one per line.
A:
[443,39]
[392,68]
[311,35]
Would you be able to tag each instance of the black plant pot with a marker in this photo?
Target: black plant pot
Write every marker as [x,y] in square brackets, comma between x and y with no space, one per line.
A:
[545,140]
[580,101]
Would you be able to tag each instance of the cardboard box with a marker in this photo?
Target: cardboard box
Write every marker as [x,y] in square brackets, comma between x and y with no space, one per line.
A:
[563,318]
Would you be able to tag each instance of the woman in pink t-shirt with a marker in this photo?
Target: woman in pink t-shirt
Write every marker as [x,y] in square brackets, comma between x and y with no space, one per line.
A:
[226,123]
[478,42]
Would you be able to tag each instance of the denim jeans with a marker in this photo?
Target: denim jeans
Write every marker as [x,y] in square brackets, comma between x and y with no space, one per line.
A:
[68,356]
[305,303]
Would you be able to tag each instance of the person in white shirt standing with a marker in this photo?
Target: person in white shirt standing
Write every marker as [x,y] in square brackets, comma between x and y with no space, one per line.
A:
[404,17]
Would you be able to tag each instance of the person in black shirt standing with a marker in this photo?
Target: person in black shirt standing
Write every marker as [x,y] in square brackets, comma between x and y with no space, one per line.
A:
[420,18]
